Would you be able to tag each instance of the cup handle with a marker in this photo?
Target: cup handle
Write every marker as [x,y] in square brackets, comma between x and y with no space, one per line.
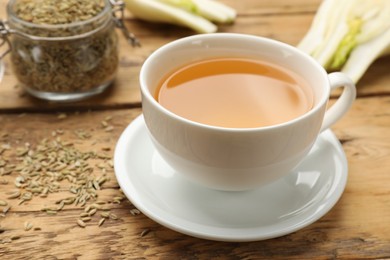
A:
[344,102]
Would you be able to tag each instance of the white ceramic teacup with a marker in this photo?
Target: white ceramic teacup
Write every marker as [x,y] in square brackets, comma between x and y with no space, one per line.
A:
[238,158]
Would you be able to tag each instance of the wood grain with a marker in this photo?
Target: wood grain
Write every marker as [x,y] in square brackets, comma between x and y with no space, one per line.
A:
[358,227]
[273,19]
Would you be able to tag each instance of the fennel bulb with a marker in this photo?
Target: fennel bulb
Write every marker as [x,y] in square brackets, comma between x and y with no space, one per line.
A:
[349,35]
[198,15]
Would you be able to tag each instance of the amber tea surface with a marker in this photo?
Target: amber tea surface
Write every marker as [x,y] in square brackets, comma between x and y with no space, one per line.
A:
[235,93]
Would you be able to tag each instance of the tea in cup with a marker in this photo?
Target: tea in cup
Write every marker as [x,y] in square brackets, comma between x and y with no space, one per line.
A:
[235,112]
[235,93]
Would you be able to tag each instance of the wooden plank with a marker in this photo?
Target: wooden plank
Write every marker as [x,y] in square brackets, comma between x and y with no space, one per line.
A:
[262,18]
[358,227]
[270,7]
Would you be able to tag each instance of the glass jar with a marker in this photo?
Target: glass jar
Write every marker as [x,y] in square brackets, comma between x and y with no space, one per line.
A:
[68,61]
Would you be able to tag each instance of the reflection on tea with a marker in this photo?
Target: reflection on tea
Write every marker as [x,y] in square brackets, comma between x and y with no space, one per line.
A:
[235,93]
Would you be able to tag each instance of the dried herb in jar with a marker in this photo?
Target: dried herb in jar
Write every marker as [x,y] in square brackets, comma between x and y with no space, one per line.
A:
[63,47]
[57,12]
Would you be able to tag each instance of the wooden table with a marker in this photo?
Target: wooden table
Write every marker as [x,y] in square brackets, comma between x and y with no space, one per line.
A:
[358,227]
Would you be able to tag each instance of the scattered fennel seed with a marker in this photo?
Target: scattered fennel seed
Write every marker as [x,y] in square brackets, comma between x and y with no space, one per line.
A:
[27,226]
[81,223]
[101,221]
[145,232]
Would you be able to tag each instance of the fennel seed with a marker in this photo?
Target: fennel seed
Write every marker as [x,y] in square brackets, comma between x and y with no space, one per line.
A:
[6,209]
[84,214]
[92,212]
[43,168]
[81,223]
[145,232]
[101,221]
[135,212]
[105,214]
[28,226]
[86,219]
[113,216]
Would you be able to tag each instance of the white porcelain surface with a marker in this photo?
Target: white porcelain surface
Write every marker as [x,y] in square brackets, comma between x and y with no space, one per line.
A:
[238,158]
[277,209]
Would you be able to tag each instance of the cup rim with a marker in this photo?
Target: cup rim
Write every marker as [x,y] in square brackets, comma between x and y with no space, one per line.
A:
[146,93]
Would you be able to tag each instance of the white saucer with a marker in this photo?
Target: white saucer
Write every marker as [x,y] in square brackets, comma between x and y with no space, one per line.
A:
[277,209]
